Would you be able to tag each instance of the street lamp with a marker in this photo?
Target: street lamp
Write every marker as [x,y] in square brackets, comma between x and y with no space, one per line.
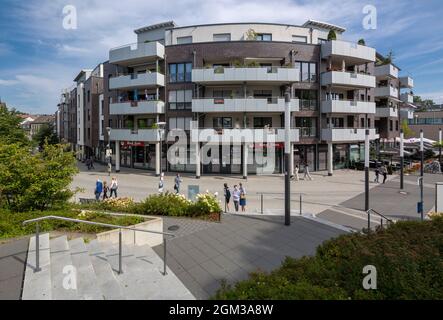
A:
[367,170]
[287,165]
[421,174]
[401,158]
[161,126]
[109,151]
[439,146]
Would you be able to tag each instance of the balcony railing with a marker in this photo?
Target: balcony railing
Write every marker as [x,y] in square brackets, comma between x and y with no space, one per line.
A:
[241,104]
[347,106]
[308,105]
[137,107]
[347,134]
[239,135]
[137,80]
[347,79]
[136,53]
[308,132]
[348,49]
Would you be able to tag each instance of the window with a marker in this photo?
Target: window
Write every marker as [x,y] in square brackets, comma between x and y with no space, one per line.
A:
[336,122]
[391,125]
[396,125]
[89,95]
[307,126]
[263,37]
[184,40]
[308,71]
[222,122]
[180,72]
[221,37]
[308,99]
[300,39]
[183,123]
[180,99]
[261,122]
[222,93]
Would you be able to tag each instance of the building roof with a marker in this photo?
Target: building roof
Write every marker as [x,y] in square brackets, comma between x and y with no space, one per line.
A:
[81,73]
[167,24]
[323,25]
[44,119]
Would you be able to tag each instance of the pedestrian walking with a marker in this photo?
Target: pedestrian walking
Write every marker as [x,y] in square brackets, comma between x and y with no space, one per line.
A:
[242,198]
[91,163]
[227,194]
[98,189]
[105,190]
[296,170]
[161,183]
[377,175]
[307,174]
[88,163]
[236,197]
[113,187]
[109,169]
[384,173]
[177,183]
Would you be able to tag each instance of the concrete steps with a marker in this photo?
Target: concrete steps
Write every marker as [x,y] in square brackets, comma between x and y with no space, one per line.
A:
[75,270]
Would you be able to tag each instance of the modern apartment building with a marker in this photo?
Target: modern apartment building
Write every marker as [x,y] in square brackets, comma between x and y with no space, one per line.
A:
[221,78]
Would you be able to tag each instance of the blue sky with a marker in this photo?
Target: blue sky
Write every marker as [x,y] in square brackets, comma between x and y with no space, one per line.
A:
[38,57]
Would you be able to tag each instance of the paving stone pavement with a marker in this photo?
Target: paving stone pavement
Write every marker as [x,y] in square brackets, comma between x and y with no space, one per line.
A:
[238,245]
[12,268]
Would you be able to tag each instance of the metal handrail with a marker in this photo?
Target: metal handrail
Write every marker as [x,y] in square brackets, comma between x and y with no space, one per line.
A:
[120,270]
[368,212]
[295,193]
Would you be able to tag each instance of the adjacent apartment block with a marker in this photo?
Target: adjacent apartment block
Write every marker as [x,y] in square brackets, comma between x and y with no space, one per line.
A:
[221,77]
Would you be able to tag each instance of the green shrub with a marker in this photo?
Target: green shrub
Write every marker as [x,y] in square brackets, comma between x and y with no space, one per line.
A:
[407,256]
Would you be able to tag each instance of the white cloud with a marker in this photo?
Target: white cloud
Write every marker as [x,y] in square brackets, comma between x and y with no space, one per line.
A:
[437,96]
[8,82]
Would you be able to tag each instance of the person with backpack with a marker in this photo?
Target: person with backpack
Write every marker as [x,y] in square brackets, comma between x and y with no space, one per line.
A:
[227,194]
[384,172]
[98,189]
[113,187]
[177,183]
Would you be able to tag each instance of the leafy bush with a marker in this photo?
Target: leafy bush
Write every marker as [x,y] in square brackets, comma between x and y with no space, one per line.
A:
[206,203]
[11,222]
[407,256]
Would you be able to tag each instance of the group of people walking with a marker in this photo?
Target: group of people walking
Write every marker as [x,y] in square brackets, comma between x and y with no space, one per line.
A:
[90,163]
[381,171]
[238,195]
[307,175]
[177,183]
[102,189]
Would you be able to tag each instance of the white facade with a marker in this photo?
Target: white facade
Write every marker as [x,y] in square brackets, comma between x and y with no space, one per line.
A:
[209,105]
[347,106]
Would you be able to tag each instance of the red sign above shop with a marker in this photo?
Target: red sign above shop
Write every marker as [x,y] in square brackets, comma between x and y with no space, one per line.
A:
[126,144]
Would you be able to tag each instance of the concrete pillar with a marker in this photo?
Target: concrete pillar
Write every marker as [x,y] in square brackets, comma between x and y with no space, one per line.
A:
[291,160]
[117,156]
[197,161]
[330,157]
[157,159]
[245,161]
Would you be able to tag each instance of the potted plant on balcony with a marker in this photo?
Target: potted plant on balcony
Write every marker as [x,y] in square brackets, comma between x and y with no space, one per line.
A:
[154,126]
[219,69]
[253,64]
[361,42]
[332,35]
[251,35]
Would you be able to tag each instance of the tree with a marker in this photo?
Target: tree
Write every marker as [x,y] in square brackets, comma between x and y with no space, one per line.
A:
[35,181]
[408,132]
[362,42]
[423,104]
[46,134]
[251,35]
[332,35]
[10,129]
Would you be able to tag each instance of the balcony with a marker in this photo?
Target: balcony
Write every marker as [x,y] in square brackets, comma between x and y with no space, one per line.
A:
[354,53]
[406,82]
[386,112]
[276,104]
[347,106]
[240,75]
[137,53]
[347,134]
[242,135]
[136,135]
[386,91]
[134,81]
[407,97]
[347,79]
[386,71]
[137,107]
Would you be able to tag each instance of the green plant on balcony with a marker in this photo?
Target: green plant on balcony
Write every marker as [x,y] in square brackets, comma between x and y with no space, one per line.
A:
[237,63]
[332,35]
[129,124]
[361,42]
[154,126]
[219,69]
[251,35]
[386,60]
[253,64]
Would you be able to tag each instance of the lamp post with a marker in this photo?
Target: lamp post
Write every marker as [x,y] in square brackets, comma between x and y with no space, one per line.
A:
[161,126]
[402,161]
[421,174]
[109,151]
[367,170]
[439,146]
[287,165]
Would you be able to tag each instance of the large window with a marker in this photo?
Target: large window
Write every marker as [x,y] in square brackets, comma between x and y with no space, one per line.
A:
[308,99]
[222,122]
[308,71]
[263,37]
[307,126]
[261,122]
[222,37]
[184,40]
[180,72]
[180,99]
[183,123]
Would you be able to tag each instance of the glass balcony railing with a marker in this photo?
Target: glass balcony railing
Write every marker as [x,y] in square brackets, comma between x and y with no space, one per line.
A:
[308,105]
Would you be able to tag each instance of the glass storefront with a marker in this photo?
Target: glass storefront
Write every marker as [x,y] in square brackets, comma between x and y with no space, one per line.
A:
[305,153]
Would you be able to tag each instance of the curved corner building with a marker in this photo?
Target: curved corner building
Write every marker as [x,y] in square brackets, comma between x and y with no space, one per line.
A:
[218,77]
